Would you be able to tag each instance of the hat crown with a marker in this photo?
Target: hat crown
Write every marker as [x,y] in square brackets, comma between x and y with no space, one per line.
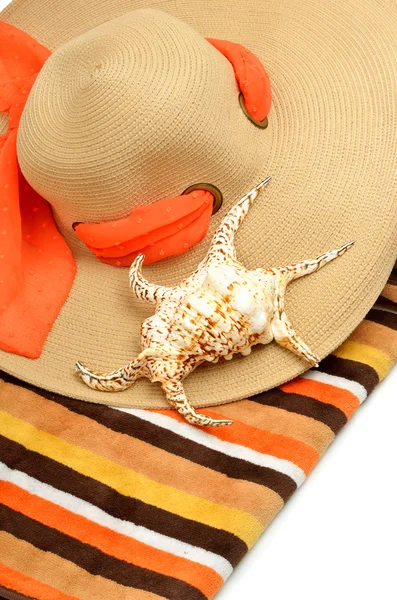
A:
[131,112]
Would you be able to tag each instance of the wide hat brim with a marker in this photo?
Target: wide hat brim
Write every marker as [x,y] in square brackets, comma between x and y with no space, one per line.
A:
[332,153]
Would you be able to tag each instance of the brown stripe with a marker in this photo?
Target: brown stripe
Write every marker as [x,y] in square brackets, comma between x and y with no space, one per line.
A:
[171,442]
[236,468]
[270,418]
[11,595]
[93,560]
[149,460]
[303,405]
[62,574]
[122,507]
[377,335]
[382,303]
[352,370]
[383,317]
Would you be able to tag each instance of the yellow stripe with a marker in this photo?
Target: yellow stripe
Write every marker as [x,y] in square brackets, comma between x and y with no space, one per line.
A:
[128,482]
[375,358]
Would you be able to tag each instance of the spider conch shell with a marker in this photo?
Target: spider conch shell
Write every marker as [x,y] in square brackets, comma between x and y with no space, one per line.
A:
[221,310]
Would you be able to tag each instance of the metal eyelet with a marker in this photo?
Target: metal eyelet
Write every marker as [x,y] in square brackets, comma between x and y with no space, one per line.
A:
[261,124]
[218,197]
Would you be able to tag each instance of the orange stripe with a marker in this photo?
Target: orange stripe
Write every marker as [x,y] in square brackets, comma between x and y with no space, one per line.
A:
[280,421]
[346,401]
[63,575]
[108,541]
[265,442]
[156,463]
[23,584]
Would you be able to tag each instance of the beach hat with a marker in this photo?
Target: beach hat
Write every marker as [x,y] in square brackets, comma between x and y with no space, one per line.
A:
[141,102]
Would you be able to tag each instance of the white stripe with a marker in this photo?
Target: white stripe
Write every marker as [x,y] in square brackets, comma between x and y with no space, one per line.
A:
[389,309]
[341,382]
[230,449]
[96,515]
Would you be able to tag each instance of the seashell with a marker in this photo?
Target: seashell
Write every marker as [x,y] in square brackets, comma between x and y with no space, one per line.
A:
[221,310]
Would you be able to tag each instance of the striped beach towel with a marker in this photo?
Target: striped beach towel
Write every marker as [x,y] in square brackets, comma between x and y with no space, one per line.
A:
[112,503]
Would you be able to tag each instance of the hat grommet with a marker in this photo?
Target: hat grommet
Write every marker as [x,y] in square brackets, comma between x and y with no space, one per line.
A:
[209,187]
[261,124]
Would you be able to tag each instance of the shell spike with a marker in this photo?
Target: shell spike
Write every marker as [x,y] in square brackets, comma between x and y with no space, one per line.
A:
[143,289]
[222,245]
[310,266]
[176,396]
[252,195]
[263,183]
[115,381]
[283,332]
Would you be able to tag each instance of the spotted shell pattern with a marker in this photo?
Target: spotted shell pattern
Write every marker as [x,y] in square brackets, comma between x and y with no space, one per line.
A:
[221,310]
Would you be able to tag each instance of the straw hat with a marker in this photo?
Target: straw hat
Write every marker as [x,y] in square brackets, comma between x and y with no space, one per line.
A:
[135,105]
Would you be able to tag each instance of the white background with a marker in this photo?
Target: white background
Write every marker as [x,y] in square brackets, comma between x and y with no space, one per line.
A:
[337,536]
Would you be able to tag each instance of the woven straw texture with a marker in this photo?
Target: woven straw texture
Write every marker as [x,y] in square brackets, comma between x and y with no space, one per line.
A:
[96,148]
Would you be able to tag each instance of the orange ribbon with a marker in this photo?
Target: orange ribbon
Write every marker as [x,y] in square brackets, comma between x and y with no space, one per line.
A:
[157,230]
[33,254]
[251,77]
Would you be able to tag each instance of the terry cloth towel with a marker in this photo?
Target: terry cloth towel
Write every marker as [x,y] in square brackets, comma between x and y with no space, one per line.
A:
[99,503]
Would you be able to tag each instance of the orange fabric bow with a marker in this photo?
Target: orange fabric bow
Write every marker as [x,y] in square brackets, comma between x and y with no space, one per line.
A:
[33,254]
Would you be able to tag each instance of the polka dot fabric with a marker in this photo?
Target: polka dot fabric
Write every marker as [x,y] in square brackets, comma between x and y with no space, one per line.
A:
[36,266]
[251,77]
[157,230]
